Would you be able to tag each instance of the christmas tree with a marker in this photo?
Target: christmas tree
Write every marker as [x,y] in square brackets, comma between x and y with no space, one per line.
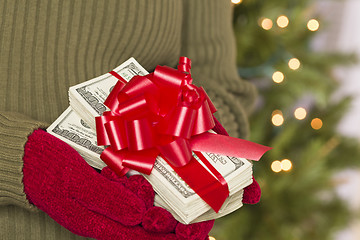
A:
[295,116]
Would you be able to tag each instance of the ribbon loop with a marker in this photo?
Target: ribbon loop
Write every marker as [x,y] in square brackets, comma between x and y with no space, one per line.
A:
[184,64]
[136,107]
[139,85]
[167,77]
[191,96]
[114,160]
[115,130]
[204,119]
[177,152]
[142,161]
[140,134]
[179,123]
[101,133]
[112,100]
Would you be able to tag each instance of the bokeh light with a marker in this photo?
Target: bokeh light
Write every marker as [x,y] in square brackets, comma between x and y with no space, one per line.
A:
[277,118]
[266,23]
[313,25]
[294,63]
[300,113]
[276,166]
[282,21]
[286,164]
[316,123]
[278,77]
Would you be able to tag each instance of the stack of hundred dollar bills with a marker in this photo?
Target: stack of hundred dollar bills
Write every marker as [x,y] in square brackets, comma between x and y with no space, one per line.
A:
[76,126]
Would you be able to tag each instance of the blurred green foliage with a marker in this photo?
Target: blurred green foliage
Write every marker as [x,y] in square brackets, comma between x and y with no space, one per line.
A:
[301,203]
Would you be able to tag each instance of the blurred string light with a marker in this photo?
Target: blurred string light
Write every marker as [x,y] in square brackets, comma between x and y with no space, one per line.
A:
[211,238]
[316,123]
[300,113]
[286,165]
[236,1]
[277,118]
[266,23]
[294,64]
[283,165]
[282,21]
[313,25]
[276,166]
[278,77]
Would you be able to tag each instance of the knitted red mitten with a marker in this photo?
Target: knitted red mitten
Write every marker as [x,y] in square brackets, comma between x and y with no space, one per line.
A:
[194,231]
[58,181]
[157,219]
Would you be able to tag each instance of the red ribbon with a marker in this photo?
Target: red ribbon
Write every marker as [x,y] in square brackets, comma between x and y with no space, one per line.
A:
[164,113]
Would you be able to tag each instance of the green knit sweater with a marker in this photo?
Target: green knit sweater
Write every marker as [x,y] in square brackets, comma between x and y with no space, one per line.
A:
[47,46]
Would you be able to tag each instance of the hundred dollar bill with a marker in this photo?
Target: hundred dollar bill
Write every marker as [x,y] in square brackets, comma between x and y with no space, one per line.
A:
[87,98]
[70,128]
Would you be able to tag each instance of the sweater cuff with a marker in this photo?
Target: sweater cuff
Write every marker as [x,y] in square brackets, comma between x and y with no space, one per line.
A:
[14,131]
[230,110]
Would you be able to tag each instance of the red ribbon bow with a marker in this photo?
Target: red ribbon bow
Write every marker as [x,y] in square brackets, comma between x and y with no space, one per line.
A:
[164,113]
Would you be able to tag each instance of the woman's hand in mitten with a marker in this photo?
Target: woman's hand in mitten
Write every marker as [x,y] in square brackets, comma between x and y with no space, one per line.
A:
[59,181]
[157,219]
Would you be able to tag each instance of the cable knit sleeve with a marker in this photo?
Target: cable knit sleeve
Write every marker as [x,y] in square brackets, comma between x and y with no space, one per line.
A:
[14,130]
[208,40]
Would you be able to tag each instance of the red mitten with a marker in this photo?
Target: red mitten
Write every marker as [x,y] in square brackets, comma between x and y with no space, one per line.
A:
[58,181]
[194,231]
[157,219]
[252,193]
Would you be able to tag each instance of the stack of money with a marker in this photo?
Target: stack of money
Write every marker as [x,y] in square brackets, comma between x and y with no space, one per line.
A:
[76,126]
[88,98]
[185,205]
[70,128]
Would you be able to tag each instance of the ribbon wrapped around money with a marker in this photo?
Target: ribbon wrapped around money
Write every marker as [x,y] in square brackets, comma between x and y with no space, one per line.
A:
[164,113]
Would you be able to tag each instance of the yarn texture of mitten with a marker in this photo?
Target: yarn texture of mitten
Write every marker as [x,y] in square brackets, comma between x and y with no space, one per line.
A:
[157,219]
[103,206]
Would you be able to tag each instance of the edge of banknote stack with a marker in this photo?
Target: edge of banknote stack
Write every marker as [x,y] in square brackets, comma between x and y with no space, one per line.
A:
[76,126]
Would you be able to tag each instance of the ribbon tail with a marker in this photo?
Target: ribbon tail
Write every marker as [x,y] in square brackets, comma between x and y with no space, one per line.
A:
[206,185]
[229,146]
